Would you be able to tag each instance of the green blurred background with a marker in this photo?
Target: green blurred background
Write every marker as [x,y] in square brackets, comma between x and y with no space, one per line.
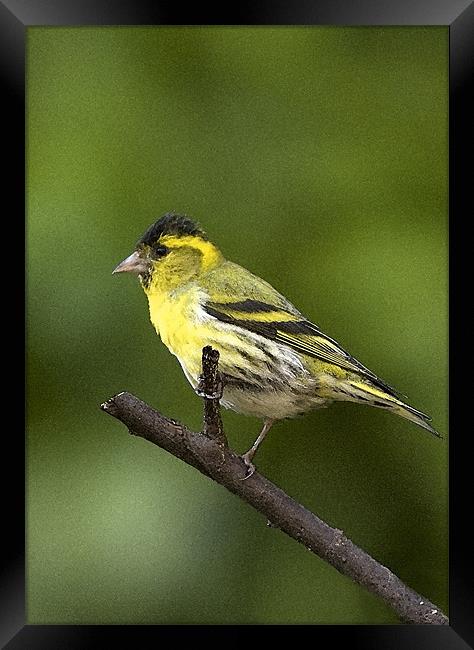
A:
[317,158]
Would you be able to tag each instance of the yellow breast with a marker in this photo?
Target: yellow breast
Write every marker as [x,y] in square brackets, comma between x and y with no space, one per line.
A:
[175,318]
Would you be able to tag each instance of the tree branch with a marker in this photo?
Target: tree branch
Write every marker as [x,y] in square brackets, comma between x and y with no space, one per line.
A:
[209,453]
[210,389]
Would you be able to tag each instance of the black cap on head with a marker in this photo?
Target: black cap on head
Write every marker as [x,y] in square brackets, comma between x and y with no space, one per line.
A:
[170,224]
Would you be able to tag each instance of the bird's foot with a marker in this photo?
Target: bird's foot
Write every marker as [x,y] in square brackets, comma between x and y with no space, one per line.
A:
[247,458]
[202,392]
[205,395]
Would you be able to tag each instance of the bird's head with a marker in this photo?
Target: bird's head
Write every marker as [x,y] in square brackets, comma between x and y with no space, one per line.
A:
[173,251]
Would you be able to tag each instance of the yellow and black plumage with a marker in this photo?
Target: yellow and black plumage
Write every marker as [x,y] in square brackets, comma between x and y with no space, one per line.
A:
[274,362]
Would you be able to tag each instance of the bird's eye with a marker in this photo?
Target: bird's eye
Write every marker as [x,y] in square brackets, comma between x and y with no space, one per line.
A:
[158,251]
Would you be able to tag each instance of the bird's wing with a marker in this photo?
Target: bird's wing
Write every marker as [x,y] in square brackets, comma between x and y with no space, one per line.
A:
[278,320]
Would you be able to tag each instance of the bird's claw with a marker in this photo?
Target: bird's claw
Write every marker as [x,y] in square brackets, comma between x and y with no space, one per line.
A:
[250,466]
[201,392]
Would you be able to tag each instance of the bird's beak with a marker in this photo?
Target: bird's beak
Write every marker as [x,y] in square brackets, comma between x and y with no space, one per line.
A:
[134,263]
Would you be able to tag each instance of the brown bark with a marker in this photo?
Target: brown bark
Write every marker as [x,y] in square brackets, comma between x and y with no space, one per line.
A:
[209,453]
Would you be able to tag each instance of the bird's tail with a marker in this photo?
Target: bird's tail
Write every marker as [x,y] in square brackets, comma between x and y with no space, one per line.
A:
[366,393]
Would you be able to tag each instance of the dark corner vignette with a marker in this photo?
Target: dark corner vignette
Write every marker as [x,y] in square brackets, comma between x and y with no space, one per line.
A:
[15,634]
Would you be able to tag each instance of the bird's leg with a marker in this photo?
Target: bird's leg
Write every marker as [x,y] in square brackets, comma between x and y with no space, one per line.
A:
[249,455]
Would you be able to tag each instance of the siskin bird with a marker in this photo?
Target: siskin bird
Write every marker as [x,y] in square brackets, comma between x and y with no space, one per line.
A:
[274,362]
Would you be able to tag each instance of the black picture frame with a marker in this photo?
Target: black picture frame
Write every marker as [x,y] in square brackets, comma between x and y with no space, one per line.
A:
[458,15]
